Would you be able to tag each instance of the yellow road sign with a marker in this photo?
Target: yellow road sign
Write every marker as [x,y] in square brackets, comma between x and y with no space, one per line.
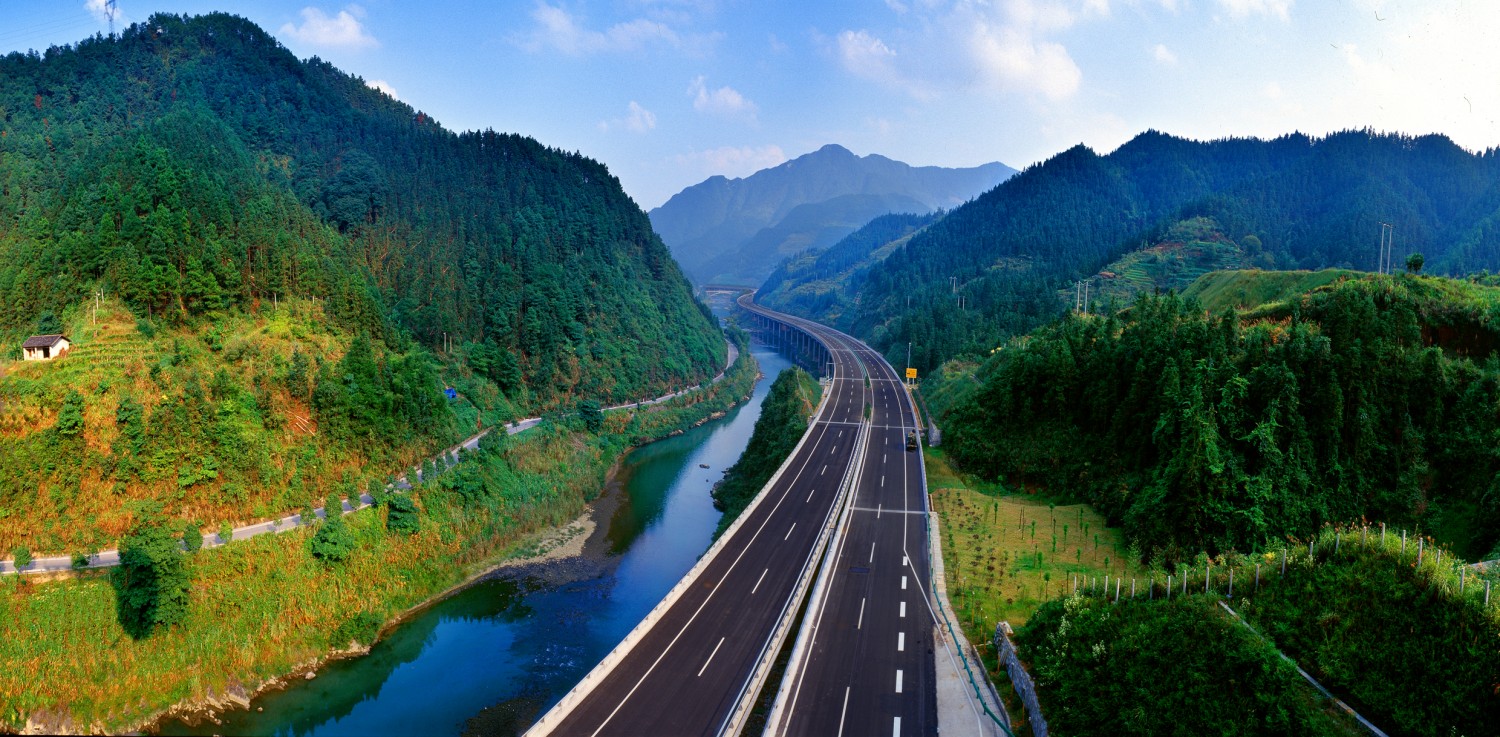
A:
[911,373]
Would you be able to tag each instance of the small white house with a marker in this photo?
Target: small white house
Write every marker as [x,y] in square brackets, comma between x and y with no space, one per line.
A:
[44,347]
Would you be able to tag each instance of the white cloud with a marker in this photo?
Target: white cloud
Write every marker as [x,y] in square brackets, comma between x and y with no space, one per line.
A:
[1280,9]
[725,102]
[344,30]
[383,86]
[637,120]
[731,161]
[558,29]
[1010,59]
[1163,55]
[1272,91]
[1002,47]
[863,54]
[1432,71]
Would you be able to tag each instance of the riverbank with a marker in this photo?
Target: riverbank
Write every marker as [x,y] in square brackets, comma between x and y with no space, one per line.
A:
[489,657]
[263,610]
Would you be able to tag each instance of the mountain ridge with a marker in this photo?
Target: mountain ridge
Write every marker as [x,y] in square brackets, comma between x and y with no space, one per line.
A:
[735,229]
[997,266]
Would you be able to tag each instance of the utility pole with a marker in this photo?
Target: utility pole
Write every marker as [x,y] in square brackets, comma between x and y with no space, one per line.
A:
[908,363]
[1387,246]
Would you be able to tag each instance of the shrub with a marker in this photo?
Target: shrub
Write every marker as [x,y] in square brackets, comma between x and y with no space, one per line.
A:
[361,628]
[70,416]
[151,582]
[402,515]
[22,558]
[192,537]
[334,542]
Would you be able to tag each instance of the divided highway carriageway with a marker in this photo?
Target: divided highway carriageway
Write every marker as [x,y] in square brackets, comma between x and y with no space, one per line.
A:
[847,508]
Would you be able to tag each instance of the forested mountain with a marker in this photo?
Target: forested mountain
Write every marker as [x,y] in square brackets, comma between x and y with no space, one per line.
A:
[816,283]
[1293,202]
[1370,397]
[194,165]
[724,230]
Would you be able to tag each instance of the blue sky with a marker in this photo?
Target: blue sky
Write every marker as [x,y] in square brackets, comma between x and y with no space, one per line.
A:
[668,92]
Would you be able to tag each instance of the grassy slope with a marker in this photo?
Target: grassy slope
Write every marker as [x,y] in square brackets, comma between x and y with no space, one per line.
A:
[1414,647]
[1243,290]
[283,462]
[992,536]
[263,606]
[1148,668]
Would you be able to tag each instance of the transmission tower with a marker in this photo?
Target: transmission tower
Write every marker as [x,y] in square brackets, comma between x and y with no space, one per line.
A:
[109,11]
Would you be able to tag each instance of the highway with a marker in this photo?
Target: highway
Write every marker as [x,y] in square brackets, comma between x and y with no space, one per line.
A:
[866,667]
[688,672]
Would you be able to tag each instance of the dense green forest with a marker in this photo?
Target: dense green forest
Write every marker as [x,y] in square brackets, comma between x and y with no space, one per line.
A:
[816,283]
[191,165]
[1370,397]
[270,271]
[996,267]
[782,422]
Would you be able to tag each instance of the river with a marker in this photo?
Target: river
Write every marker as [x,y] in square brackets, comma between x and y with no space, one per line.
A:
[491,658]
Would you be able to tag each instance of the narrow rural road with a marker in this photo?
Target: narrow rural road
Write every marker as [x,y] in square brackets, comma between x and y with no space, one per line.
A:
[110,558]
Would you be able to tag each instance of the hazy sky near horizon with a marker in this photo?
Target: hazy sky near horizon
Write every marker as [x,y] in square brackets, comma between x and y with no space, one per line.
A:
[669,92]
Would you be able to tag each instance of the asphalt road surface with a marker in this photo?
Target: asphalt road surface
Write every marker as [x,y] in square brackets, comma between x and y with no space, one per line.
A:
[868,667]
[687,673]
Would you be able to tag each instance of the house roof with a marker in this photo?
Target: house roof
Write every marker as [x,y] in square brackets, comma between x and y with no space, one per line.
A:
[42,341]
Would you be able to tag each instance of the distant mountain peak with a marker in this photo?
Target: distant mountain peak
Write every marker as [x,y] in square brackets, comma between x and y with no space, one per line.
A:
[832,149]
[737,230]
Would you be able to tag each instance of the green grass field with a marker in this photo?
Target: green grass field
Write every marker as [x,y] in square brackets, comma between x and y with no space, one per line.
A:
[1005,553]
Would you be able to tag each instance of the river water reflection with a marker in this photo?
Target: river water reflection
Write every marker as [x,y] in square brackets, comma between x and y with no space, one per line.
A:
[493,657]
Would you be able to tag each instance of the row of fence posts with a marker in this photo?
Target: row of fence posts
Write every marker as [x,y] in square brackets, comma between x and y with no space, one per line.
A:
[1091,585]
